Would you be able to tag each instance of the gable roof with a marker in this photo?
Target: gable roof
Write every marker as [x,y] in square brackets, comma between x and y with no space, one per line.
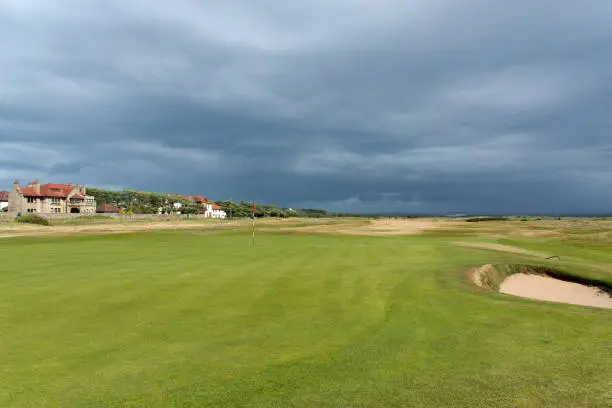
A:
[107,208]
[51,190]
[4,195]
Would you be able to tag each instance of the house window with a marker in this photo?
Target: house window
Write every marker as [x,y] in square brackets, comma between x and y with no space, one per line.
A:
[31,210]
[31,200]
[55,201]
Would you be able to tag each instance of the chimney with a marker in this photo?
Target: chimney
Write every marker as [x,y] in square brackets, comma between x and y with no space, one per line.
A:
[84,189]
[37,187]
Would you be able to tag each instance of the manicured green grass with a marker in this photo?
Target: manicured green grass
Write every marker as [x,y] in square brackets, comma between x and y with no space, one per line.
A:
[189,319]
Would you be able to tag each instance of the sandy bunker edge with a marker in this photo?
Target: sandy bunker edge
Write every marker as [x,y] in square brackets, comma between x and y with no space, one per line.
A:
[543,283]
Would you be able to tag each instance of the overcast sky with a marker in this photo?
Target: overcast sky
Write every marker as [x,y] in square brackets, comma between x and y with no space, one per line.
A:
[356,105]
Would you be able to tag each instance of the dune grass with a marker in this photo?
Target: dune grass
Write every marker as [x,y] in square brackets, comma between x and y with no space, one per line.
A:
[181,319]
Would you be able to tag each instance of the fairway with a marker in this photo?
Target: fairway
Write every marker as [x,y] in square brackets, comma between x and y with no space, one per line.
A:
[201,319]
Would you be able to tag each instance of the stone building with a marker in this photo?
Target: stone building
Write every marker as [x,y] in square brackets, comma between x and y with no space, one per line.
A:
[50,198]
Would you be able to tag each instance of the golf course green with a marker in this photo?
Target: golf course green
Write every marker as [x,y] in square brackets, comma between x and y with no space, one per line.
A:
[202,319]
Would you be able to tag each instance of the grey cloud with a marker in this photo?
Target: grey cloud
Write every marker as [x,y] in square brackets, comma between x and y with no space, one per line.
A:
[422,106]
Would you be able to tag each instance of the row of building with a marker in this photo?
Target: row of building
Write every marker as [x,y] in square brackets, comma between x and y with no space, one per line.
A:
[208,208]
[55,198]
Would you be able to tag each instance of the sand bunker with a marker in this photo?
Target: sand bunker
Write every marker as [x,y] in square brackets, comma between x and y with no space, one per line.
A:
[554,290]
[540,284]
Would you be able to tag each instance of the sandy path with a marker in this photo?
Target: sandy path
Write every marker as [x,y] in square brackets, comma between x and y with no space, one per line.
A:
[502,248]
[554,290]
[114,228]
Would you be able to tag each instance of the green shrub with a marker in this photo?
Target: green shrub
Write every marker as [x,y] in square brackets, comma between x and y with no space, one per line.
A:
[484,219]
[33,219]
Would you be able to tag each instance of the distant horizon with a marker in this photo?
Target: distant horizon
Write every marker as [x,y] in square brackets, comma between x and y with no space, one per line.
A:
[461,214]
[491,214]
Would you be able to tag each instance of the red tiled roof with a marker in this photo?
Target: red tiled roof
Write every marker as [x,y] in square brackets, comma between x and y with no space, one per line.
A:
[28,192]
[215,207]
[55,190]
[107,208]
[50,190]
[4,195]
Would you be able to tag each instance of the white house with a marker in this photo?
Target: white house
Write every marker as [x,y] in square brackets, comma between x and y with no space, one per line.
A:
[175,208]
[4,198]
[214,211]
[207,208]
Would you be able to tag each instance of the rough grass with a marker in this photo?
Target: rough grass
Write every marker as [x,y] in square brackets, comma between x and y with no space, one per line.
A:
[486,219]
[105,219]
[176,319]
[33,219]
[84,220]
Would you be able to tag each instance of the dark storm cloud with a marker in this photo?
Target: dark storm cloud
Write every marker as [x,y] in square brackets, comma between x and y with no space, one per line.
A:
[393,105]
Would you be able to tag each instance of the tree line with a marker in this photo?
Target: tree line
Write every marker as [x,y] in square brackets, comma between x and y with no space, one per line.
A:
[142,202]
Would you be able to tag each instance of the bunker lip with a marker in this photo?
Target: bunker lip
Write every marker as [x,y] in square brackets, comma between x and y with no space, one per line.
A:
[542,283]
